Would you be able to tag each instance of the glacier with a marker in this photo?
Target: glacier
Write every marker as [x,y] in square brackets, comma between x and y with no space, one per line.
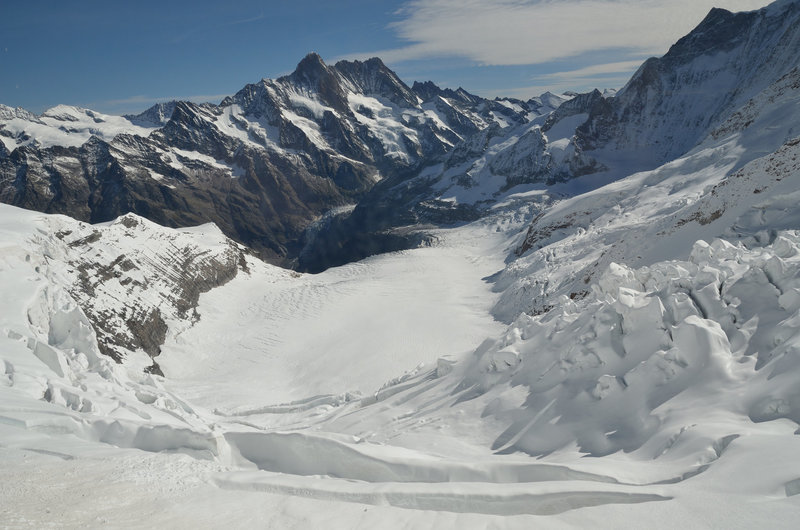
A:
[602,339]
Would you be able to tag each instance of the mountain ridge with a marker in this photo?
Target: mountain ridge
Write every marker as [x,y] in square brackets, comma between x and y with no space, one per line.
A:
[293,148]
[270,160]
[579,337]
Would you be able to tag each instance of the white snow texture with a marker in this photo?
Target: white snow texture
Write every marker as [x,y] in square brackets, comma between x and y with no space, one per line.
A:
[622,357]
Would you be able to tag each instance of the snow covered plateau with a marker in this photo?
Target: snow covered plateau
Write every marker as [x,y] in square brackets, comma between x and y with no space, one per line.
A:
[606,340]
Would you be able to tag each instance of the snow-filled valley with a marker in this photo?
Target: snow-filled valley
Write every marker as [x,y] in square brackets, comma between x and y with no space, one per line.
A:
[383,393]
[595,327]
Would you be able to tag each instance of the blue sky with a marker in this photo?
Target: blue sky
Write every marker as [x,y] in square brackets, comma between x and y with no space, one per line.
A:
[116,56]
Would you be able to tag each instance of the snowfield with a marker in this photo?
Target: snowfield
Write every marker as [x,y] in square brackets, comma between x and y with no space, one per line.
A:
[616,350]
[62,125]
[349,329]
[383,393]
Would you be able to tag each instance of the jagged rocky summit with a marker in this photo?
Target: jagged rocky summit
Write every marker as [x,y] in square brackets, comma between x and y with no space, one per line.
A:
[336,162]
[262,165]
[705,87]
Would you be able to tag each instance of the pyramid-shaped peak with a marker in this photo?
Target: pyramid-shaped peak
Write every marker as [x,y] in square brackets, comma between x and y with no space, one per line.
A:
[312,58]
[374,78]
[311,67]
[314,75]
[375,63]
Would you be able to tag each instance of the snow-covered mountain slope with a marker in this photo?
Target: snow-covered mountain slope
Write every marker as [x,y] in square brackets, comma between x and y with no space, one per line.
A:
[133,281]
[627,371]
[701,87]
[263,164]
[678,376]
[612,371]
[56,378]
[667,108]
[652,323]
[739,182]
[671,103]
[273,159]
[62,125]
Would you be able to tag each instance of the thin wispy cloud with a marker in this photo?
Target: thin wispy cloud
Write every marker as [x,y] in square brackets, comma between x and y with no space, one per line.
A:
[558,87]
[204,29]
[624,67]
[611,75]
[523,32]
[246,20]
[136,100]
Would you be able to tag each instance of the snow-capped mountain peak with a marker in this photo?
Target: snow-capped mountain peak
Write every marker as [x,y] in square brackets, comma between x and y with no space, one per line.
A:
[614,275]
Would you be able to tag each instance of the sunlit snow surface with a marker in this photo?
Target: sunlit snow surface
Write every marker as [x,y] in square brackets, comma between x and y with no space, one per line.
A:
[61,125]
[367,396]
[628,357]
[647,374]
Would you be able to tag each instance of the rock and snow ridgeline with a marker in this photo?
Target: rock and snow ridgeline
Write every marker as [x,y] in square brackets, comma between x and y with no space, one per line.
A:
[52,351]
[263,164]
[133,280]
[269,161]
[652,323]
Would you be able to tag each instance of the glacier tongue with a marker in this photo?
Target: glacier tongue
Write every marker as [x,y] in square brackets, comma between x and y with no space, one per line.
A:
[652,323]
[689,367]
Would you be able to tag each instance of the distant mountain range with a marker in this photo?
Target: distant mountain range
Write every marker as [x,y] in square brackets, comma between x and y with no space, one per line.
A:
[262,165]
[333,163]
[613,275]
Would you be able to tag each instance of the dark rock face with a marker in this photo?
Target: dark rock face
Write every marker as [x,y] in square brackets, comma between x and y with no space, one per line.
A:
[373,77]
[314,75]
[156,116]
[526,161]
[393,216]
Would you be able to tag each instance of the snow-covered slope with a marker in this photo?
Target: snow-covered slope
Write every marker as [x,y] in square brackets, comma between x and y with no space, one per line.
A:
[701,87]
[679,376]
[55,378]
[263,164]
[133,281]
[671,103]
[626,366]
[667,108]
[62,125]
[739,182]
[652,324]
